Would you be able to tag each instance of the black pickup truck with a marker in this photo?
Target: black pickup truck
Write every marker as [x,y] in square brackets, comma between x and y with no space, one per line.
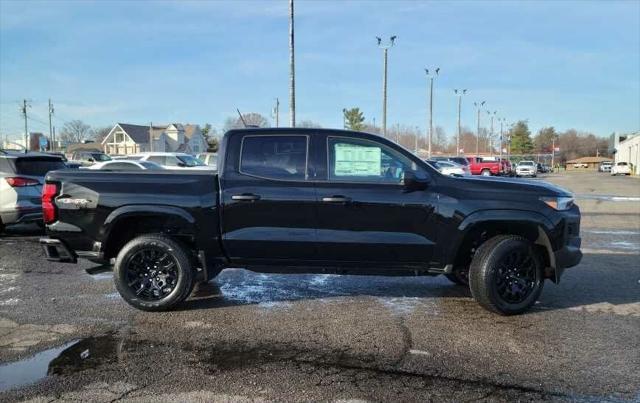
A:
[312,201]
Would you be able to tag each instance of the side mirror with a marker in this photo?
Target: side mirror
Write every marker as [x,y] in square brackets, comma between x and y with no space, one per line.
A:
[181,164]
[91,160]
[414,181]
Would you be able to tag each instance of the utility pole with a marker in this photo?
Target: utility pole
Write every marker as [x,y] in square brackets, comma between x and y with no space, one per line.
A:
[478,105]
[553,153]
[292,70]
[431,77]
[51,138]
[276,112]
[501,120]
[385,49]
[25,105]
[490,139]
[460,93]
[150,138]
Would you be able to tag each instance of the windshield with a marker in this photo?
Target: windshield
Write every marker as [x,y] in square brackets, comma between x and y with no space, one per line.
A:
[526,163]
[190,161]
[150,165]
[38,166]
[100,157]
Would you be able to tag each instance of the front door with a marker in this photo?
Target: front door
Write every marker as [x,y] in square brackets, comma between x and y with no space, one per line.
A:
[366,215]
[268,200]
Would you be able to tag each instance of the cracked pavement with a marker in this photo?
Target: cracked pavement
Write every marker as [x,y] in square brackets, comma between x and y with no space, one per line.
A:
[270,337]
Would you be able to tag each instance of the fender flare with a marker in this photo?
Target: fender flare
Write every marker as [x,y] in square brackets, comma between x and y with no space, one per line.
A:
[542,224]
[146,210]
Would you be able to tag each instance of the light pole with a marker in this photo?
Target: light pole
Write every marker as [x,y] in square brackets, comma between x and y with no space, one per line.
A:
[490,139]
[344,118]
[292,70]
[478,105]
[431,77]
[385,48]
[459,93]
[501,120]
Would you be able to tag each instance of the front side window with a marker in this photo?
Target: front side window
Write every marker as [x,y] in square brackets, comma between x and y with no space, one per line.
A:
[158,159]
[355,160]
[274,157]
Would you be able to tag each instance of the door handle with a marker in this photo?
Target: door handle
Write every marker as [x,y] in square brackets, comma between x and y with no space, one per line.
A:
[245,197]
[336,199]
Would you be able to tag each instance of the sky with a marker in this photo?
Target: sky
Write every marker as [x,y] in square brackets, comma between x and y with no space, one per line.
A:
[567,64]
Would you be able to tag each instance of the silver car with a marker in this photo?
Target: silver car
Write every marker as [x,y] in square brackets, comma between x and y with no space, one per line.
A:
[21,178]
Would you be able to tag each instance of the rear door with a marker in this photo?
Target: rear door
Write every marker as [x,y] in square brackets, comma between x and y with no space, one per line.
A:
[268,199]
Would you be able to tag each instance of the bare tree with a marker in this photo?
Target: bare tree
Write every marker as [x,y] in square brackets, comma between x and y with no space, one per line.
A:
[100,133]
[251,119]
[75,131]
[309,124]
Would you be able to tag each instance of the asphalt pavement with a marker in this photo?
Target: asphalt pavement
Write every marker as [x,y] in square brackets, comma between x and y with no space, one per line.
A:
[65,333]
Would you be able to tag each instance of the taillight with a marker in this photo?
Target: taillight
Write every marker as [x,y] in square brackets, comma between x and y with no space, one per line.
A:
[49,192]
[18,182]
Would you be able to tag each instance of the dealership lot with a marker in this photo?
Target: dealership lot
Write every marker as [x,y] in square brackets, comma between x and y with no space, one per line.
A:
[248,336]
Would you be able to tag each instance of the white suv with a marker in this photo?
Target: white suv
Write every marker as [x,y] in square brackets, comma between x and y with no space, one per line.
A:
[527,168]
[171,160]
[621,168]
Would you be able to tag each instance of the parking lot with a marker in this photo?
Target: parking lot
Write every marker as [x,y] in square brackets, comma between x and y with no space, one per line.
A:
[247,336]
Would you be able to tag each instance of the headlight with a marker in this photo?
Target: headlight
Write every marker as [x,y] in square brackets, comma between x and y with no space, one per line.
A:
[558,203]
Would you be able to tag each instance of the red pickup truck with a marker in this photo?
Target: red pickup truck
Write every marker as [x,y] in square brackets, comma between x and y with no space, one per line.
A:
[485,167]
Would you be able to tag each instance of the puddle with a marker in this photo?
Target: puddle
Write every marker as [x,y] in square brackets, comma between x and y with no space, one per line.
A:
[74,356]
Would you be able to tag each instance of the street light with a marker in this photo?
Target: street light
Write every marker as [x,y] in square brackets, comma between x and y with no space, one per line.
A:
[385,48]
[490,139]
[478,105]
[431,77]
[459,93]
[502,121]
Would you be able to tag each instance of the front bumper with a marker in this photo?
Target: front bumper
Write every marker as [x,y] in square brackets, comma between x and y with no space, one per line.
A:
[57,251]
[568,242]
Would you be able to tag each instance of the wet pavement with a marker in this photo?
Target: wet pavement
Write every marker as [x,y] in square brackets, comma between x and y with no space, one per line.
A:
[65,334]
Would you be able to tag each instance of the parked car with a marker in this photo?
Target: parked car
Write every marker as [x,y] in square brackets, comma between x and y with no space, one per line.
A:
[209,159]
[620,168]
[126,165]
[605,166]
[21,178]
[171,160]
[458,160]
[88,158]
[69,164]
[526,168]
[312,200]
[450,168]
[485,167]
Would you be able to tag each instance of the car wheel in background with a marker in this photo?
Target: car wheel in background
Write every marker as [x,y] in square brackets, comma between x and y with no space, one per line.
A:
[153,273]
[485,172]
[506,275]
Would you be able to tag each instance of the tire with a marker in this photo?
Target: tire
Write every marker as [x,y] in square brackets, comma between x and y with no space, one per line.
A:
[500,288]
[459,276]
[143,255]
[485,172]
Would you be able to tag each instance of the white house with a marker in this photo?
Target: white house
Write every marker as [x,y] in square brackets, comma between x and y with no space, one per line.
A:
[126,138]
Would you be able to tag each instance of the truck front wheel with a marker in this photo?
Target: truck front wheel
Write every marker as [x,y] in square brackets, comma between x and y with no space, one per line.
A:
[153,273]
[506,275]
[485,172]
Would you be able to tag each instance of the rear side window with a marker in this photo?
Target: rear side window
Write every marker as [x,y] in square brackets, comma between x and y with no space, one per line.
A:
[274,157]
[158,159]
[122,165]
[38,166]
[5,166]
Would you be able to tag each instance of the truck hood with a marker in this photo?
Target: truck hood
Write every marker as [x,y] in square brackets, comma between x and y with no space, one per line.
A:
[497,184]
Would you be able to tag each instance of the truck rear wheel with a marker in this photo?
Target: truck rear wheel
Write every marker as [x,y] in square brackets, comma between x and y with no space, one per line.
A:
[153,273]
[506,275]
[485,172]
